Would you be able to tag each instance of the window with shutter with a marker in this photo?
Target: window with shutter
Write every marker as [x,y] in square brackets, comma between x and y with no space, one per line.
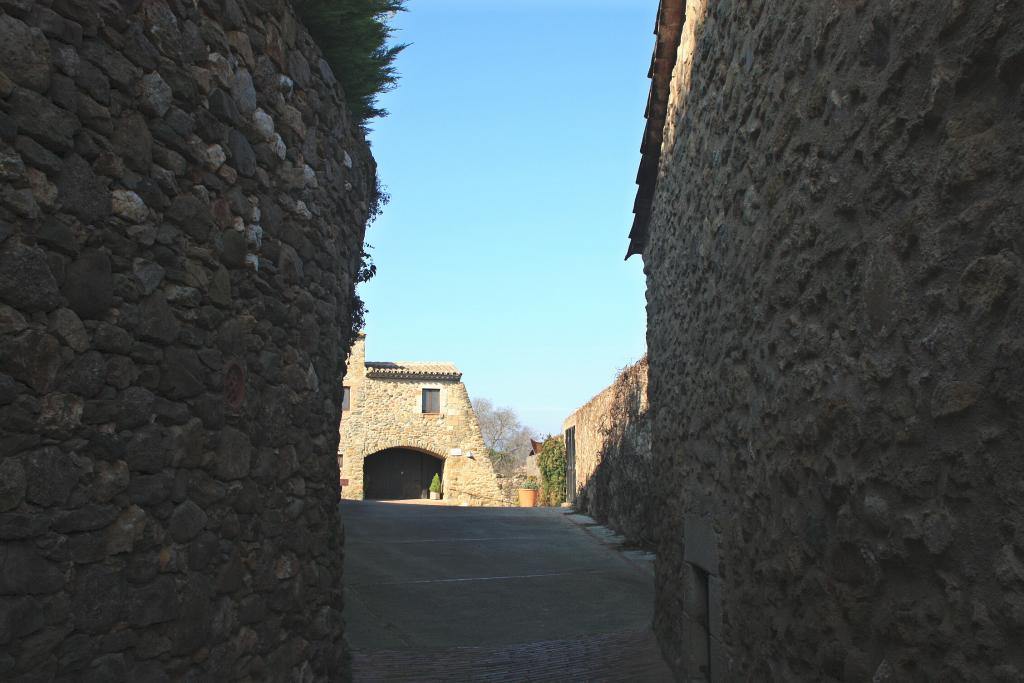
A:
[431,401]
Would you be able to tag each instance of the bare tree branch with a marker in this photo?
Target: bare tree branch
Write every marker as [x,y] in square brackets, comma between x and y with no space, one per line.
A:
[501,429]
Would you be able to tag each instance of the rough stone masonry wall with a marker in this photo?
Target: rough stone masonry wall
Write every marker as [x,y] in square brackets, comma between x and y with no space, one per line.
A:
[386,413]
[614,468]
[182,202]
[836,340]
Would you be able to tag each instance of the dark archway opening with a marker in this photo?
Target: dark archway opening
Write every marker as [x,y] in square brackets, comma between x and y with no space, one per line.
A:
[400,473]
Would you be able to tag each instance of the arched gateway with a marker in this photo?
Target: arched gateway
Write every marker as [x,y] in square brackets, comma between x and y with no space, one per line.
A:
[396,473]
[404,422]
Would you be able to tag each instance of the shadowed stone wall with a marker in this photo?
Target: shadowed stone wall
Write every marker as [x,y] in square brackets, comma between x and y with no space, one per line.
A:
[182,204]
[835,335]
[614,471]
[385,411]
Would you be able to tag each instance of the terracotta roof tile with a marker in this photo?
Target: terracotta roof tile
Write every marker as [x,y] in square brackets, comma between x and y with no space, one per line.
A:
[409,370]
[668,29]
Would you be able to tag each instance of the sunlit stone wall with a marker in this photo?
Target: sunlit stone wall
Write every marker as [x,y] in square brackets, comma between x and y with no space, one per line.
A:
[614,471]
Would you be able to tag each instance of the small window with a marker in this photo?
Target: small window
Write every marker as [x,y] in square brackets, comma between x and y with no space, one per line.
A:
[346,398]
[431,400]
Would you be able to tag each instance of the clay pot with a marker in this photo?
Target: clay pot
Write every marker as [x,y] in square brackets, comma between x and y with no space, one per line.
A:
[527,498]
[434,495]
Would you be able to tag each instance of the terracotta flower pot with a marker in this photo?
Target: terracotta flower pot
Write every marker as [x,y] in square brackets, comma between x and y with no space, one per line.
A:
[527,498]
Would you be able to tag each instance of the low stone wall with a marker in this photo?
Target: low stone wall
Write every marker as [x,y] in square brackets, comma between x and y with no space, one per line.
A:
[614,474]
[835,326]
[182,204]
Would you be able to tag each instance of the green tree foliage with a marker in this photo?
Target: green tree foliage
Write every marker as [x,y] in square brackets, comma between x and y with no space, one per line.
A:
[435,484]
[354,35]
[552,471]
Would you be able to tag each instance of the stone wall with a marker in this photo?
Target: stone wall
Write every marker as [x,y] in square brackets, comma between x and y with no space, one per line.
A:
[614,471]
[182,204]
[835,335]
[385,412]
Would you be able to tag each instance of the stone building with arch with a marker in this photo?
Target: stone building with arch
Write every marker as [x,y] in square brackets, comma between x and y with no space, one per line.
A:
[403,422]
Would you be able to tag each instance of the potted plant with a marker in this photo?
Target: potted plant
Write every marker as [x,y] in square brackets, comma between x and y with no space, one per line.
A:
[528,493]
[435,488]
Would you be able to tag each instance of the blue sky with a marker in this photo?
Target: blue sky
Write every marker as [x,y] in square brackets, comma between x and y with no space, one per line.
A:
[510,154]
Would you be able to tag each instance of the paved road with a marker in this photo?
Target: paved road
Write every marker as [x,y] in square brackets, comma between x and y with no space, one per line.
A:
[497,594]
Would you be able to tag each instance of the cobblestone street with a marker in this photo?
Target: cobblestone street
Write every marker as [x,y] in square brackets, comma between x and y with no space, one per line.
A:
[453,593]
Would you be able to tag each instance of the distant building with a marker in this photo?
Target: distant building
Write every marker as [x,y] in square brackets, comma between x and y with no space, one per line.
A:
[404,422]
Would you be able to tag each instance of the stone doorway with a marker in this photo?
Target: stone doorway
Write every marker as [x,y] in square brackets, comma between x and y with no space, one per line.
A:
[400,473]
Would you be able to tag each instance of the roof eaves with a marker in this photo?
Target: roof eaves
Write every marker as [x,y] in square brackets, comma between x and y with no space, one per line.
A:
[412,370]
[668,29]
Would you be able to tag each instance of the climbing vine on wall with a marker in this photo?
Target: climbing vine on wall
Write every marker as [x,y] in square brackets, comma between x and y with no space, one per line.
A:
[552,471]
[618,491]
